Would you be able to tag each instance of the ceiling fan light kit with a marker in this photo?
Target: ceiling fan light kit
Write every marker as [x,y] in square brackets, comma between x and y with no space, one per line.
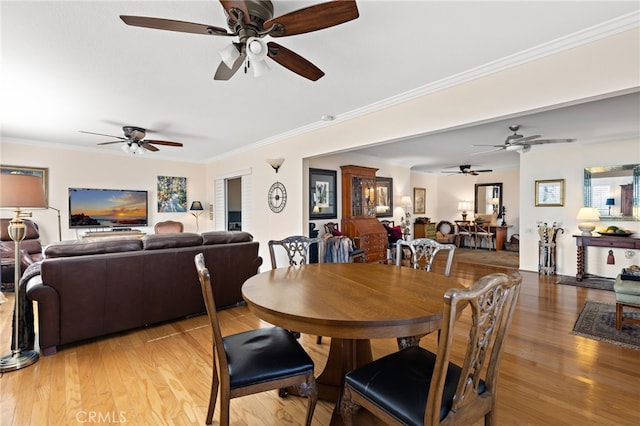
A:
[251,21]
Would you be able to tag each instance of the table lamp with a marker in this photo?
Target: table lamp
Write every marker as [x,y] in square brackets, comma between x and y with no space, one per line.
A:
[464,206]
[196,210]
[610,202]
[19,191]
[587,215]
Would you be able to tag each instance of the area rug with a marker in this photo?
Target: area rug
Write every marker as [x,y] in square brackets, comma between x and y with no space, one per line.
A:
[502,258]
[598,321]
[599,283]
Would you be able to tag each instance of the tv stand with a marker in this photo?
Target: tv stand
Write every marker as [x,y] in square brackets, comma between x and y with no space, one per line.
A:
[122,232]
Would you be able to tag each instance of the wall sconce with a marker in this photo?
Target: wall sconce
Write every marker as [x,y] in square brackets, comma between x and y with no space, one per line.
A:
[275,163]
[587,215]
[196,210]
[464,206]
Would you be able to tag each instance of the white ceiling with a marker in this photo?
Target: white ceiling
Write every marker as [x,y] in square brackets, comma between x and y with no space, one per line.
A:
[70,66]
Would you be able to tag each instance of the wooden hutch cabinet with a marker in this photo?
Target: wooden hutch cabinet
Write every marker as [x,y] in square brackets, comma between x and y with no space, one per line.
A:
[359,220]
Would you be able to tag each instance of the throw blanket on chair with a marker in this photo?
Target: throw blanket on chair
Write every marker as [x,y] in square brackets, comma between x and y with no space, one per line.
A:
[26,334]
[337,249]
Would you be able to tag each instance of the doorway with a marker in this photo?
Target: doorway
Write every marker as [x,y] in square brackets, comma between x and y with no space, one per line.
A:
[234,204]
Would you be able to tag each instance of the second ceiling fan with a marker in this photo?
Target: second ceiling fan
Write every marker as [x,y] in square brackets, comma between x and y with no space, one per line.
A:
[465,169]
[251,21]
[517,142]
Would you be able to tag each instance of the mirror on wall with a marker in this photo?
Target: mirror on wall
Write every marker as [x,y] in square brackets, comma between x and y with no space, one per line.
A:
[614,191]
[488,198]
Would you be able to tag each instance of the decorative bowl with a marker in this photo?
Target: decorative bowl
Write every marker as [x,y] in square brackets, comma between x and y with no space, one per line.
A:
[616,234]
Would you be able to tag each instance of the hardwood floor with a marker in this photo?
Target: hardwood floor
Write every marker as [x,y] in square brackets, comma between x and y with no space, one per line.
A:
[161,374]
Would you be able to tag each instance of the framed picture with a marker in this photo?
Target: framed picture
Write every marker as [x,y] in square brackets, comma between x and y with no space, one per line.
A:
[32,171]
[322,194]
[172,194]
[419,196]
[384,197]
[550,193]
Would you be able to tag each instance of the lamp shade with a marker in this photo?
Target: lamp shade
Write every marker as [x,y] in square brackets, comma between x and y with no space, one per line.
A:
[610,202]
[20,191]
[196,205]
[588,213]
[405,200]
[464,205]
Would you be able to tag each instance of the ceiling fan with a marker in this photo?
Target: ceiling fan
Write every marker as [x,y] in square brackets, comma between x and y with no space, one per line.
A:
[251,21]
[134,140]
[466,169]
[517,142]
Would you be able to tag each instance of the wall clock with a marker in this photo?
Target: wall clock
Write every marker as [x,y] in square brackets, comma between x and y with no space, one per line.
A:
[277,197]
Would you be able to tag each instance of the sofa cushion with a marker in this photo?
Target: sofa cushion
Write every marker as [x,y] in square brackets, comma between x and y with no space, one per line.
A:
[92,246]
[171,240]
[225,237]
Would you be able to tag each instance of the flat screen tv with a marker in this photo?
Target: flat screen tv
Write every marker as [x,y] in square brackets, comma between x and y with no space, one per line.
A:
[107,208]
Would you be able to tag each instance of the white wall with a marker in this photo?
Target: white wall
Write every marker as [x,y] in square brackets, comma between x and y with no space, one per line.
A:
[567,162]
[78,169]
[582,73]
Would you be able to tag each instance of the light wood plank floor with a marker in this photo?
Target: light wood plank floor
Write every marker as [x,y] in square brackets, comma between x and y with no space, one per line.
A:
[161,374]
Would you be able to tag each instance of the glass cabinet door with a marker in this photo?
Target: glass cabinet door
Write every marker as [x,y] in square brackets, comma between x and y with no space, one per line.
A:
[356,196]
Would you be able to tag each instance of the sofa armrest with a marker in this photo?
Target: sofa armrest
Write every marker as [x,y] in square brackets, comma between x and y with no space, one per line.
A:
[48,313]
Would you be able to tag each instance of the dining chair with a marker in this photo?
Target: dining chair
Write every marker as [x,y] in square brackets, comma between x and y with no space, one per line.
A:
[465,232]
[296,247]
[422,253]
[254,361]
[482,232]
[415,386]
[356,253]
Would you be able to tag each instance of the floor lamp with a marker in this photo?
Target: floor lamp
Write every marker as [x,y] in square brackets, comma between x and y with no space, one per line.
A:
[18,192]
[196,210]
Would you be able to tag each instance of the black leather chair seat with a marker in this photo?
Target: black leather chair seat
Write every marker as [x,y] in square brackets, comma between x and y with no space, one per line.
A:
[401,380]
[250,363]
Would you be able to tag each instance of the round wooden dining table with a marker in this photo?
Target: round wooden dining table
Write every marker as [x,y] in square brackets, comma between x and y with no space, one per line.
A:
[351,303]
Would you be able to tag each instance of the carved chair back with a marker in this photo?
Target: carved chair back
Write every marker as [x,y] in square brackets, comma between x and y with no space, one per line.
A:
[422,253]
[296,247]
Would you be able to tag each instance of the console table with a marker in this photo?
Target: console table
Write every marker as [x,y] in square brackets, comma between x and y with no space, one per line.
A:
[111,234]
[499,231]
[583,241]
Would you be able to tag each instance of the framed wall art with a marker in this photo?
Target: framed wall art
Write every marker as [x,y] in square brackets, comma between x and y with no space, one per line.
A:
[32,171]
[550,193]
[172,194]
[419,203]
[322,194]
[384,197]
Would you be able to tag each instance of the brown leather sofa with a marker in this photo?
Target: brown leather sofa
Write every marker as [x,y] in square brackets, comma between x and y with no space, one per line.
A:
[91,288]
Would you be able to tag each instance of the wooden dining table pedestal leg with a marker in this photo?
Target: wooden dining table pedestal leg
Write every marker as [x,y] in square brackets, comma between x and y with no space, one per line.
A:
[344,356]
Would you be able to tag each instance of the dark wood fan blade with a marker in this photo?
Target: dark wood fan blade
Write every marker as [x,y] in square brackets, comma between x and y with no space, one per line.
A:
[483,171]
[147,145]
[225,73]
[236,4]
[294,62]
[172,25]
[102,134]
[109,143]
[314,18]
[167,143]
